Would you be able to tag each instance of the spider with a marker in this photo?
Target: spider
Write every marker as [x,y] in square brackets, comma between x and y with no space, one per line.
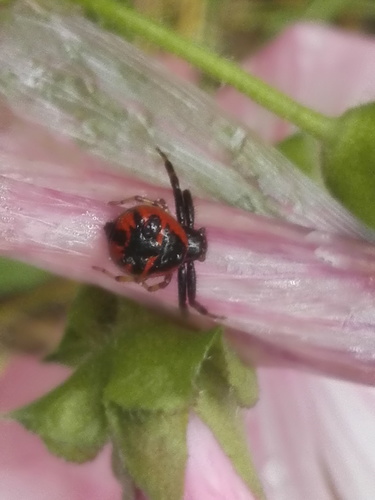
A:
[147,241]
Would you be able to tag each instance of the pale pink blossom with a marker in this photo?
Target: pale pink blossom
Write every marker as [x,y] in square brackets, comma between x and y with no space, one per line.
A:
[293,294]
[326,69]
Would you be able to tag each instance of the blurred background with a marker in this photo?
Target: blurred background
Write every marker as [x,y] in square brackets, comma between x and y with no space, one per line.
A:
[235,28]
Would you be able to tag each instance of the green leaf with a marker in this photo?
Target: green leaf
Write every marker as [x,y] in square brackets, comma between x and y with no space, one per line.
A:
[349,160]
[89,326]
[218,408]
[240,378]
[156,361]
[71,419]
[152,447]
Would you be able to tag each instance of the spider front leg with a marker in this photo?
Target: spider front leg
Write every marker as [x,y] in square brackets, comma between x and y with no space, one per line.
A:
[188,208]
[175,183]
[157,286]
[123,278]
[191,285]
[160,202]
[182,292]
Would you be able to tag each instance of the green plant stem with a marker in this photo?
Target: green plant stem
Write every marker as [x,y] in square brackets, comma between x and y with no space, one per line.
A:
[123,18]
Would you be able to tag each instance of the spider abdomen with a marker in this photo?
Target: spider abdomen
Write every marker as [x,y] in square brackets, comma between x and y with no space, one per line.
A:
[146,241]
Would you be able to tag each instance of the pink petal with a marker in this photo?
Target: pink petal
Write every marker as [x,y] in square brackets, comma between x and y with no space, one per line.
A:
[313,436]
[345,430]
[326,69]
[209,472]
[281,434]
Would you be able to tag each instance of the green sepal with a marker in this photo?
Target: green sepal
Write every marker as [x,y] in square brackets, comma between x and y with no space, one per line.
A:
[138,378]
[89,326]
[156,361]
[305,152]
[152,448]
[241,379]
[71,419]
[349,162]
[217,406]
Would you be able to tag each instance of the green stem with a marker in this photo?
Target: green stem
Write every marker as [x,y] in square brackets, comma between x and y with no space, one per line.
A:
[120,18]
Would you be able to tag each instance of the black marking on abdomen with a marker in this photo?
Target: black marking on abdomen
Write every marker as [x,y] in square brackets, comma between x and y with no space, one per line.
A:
[115,235]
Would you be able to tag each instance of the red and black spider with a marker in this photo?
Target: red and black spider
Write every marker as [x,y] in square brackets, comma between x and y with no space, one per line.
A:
[147,241]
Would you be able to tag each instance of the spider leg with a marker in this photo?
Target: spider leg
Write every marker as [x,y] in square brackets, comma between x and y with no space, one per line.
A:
[160,202]
[121,278]
[157,286]
[134,279]
[191,284]
[190,216]
[189,208]
[182,288]
[178,198]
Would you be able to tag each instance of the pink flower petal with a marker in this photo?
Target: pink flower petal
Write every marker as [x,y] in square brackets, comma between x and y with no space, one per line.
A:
[281,434]
[209,472]
[326,69]
[344,431]
[313,437]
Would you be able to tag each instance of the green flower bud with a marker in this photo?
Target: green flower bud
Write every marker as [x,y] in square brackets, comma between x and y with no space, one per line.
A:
[304,151]
[349,162]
